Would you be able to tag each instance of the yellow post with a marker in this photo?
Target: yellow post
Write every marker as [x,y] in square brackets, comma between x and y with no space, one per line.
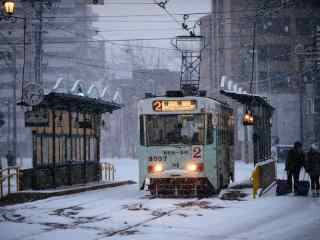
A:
[256,180]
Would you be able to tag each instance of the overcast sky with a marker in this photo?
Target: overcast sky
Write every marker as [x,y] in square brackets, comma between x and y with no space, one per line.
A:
[116,22]
[147,26]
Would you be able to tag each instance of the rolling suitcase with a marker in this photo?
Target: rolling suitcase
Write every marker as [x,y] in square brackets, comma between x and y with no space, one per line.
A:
[283,187]
[302,188]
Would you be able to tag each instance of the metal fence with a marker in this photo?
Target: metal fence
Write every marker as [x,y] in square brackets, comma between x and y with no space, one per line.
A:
[107,172]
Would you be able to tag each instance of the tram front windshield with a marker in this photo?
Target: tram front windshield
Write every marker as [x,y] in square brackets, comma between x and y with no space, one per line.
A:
[175,129]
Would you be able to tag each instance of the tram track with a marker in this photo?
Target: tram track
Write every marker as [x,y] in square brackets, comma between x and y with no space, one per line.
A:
[78,220]
[86,214]
[128,228]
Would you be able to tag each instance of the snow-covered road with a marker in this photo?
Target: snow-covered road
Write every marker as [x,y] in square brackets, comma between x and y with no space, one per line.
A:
[124,213]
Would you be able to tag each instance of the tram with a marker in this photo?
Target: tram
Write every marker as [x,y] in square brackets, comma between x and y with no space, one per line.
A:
[185,145]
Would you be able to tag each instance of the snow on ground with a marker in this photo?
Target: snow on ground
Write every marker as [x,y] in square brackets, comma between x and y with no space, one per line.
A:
[125,213]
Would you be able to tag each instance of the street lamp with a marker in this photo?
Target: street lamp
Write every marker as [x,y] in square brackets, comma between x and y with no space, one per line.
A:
[248,119]
[9,7]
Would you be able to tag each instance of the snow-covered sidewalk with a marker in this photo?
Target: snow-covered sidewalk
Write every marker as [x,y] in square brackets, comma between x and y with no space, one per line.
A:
[125,213]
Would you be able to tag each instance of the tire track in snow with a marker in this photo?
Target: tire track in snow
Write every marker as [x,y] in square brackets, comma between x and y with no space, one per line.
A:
[125,229]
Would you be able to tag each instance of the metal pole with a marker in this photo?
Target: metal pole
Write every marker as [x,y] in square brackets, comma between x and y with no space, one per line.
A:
[9,127]
[256,72]
[24,56]
[38,56]
[211,54]
[54,148]
[253,54]
[14,115]
[301,99]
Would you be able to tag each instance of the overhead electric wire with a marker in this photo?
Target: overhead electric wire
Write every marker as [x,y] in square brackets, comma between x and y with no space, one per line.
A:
[128,3]
[139,29]
[253,10]
[107,40]
[124,21]
[110,41]
[126,16]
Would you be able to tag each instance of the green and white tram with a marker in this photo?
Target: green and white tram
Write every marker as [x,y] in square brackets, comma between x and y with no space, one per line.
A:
[185,146]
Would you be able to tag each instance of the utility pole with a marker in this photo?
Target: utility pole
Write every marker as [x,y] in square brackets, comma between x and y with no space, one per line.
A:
[9,125]
[301,91]
[211,78]
[14,99]
[11,62]
[38,55]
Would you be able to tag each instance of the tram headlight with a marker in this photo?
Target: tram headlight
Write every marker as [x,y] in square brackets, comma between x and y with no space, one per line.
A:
[155,168]
[192,167]
[195,167]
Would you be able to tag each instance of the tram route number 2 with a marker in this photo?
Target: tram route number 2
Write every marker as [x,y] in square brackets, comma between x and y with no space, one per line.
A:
[197,152]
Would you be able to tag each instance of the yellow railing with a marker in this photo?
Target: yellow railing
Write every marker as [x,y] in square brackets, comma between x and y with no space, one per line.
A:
[107,172]
[9,179]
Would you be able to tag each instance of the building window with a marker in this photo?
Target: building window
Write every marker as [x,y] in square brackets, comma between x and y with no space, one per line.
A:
[316,105]
[279,26]
[279,80]
[275,52]
[309,106]
[305,26]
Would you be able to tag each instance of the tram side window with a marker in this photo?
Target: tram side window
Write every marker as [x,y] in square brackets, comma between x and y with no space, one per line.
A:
[210,129]
[219,129]
[141,131]
[225,129]
[231,131]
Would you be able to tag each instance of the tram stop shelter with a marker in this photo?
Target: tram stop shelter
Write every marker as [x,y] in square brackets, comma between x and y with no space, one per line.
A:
[66,130]
[262,112]
[261,136]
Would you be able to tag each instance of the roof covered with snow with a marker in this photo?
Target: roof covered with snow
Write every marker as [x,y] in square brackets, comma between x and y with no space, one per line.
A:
[65,101]
[246,98]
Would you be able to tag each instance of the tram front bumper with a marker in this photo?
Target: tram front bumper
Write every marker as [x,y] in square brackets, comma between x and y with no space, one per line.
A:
[176,173]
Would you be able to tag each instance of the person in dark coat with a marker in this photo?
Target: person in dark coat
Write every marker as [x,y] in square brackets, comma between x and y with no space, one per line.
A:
[294,163]
[313,169]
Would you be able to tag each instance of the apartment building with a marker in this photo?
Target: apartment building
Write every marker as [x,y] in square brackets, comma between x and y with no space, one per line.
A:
[257,44]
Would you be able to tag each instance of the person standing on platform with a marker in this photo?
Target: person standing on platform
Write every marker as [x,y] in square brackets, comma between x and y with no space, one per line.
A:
[313,169]
[294,163]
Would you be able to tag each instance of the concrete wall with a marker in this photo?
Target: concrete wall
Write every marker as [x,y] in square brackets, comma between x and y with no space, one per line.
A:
[286,117]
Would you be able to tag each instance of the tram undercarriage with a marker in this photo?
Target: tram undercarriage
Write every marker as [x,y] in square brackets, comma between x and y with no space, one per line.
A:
[180,187]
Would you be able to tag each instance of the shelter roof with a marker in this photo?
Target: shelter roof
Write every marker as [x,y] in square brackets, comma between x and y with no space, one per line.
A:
[246,98]
[77,103]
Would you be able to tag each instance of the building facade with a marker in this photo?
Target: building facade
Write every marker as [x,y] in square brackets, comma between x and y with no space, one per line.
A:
[58,44]
[256,44]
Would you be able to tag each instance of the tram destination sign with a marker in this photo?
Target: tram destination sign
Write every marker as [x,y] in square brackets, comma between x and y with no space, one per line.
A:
[174,105]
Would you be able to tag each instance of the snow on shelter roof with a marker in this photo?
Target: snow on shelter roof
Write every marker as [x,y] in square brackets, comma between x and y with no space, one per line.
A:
[66,101]
[246,98]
